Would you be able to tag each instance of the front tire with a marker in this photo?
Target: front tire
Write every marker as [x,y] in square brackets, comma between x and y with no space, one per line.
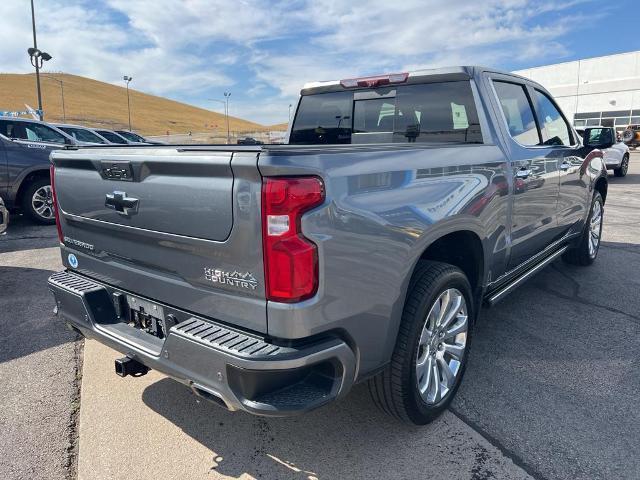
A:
[624,167]
[37,201]
[430,356]
[587,249]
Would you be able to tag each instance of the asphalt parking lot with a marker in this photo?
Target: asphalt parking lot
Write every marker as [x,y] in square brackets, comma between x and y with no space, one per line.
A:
[551,391]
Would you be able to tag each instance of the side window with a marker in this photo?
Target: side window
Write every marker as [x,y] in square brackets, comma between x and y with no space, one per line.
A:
[41,133]
[553,126]
[518,112]
[7,128]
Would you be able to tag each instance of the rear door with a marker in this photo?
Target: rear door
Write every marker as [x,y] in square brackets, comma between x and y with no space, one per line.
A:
[534,223]
[176,225]
[4,172]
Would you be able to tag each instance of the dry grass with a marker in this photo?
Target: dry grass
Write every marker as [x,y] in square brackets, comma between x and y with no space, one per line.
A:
[281,127]
[98,104]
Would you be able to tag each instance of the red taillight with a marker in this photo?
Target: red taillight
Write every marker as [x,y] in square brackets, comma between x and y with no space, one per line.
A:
[378,81]
[290,259]
[52,171]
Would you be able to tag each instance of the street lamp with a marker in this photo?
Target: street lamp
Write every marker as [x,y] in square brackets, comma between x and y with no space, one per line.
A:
[64,112]
[127,79]
[226,116]
[226,112]
[37,60]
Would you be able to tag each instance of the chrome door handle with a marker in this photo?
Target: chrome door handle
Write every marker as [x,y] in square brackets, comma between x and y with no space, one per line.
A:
[565,166]
[523,172]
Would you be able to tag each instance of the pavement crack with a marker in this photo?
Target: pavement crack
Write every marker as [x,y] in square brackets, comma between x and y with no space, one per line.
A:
[510,454]
[71,463]
[585,301]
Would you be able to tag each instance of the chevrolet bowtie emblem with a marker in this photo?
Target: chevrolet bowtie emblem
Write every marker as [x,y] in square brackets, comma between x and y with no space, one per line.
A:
[121,203]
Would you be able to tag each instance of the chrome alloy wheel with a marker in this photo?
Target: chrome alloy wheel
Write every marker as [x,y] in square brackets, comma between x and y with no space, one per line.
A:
[595,229]
[42,202]
[442,346]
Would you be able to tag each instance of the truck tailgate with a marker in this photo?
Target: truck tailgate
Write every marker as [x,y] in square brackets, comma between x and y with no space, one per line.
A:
[178,225]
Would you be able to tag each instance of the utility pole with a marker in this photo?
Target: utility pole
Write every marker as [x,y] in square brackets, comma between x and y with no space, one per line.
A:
[127,79]
[226,112]
[64,112]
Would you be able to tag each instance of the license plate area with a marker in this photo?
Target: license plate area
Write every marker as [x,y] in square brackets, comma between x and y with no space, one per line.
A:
[148,317]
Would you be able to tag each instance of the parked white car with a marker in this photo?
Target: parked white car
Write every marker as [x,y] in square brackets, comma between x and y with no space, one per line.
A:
[616,157]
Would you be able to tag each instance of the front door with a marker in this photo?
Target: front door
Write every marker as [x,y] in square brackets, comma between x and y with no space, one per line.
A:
[566,151]
[534,167]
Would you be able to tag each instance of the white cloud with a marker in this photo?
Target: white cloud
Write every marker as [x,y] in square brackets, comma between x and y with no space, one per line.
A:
[184,49]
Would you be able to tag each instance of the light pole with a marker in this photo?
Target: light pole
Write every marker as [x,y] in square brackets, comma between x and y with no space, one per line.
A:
[64,112]
[127,79]
[37,60]
[289,113]
[226,112]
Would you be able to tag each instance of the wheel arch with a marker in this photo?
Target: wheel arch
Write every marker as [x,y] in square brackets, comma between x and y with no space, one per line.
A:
[602,185]
[27,178]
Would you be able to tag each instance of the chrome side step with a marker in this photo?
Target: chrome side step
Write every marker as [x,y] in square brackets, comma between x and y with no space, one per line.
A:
[502,292]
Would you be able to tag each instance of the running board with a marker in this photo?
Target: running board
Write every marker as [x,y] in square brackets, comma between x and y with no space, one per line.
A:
[502,292]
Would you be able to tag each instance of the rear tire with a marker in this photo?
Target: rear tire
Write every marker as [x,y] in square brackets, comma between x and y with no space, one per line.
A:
[624,167]
[586,251]
[430,356]
[37,201]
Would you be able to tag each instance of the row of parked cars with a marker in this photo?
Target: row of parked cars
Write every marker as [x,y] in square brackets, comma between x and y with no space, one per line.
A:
[25,146]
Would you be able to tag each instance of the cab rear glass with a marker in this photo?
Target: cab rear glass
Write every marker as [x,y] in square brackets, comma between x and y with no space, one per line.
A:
[442,112]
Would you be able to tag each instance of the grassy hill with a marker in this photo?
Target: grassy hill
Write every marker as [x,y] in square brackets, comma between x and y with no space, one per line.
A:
[280,126]
[98,104]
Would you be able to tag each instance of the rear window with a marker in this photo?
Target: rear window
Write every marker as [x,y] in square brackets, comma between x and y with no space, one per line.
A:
[112,137]
[134,137]
[423,113]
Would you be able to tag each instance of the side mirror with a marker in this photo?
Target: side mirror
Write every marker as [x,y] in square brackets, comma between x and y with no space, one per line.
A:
[598,137]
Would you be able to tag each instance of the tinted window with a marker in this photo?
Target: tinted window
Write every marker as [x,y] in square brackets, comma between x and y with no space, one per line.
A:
[33,132]
[134,137]
[553,126]
[323,118]
[432,112]
[373,115]
[600,136]
[436,112]
[82,135]
[112,137]
[517,112]
[7,128]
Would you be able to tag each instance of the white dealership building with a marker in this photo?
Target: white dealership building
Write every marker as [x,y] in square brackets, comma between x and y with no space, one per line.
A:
[595,91]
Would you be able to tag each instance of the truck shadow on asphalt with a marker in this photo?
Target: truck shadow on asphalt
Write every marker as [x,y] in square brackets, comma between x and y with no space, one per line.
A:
[541,363]
[22,234]
[27,322]
[348,439]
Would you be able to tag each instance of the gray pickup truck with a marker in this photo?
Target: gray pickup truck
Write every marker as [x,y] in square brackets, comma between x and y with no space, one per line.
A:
[272,278]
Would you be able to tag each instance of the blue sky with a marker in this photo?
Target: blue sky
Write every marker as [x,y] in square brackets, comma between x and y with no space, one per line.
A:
[263,52]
